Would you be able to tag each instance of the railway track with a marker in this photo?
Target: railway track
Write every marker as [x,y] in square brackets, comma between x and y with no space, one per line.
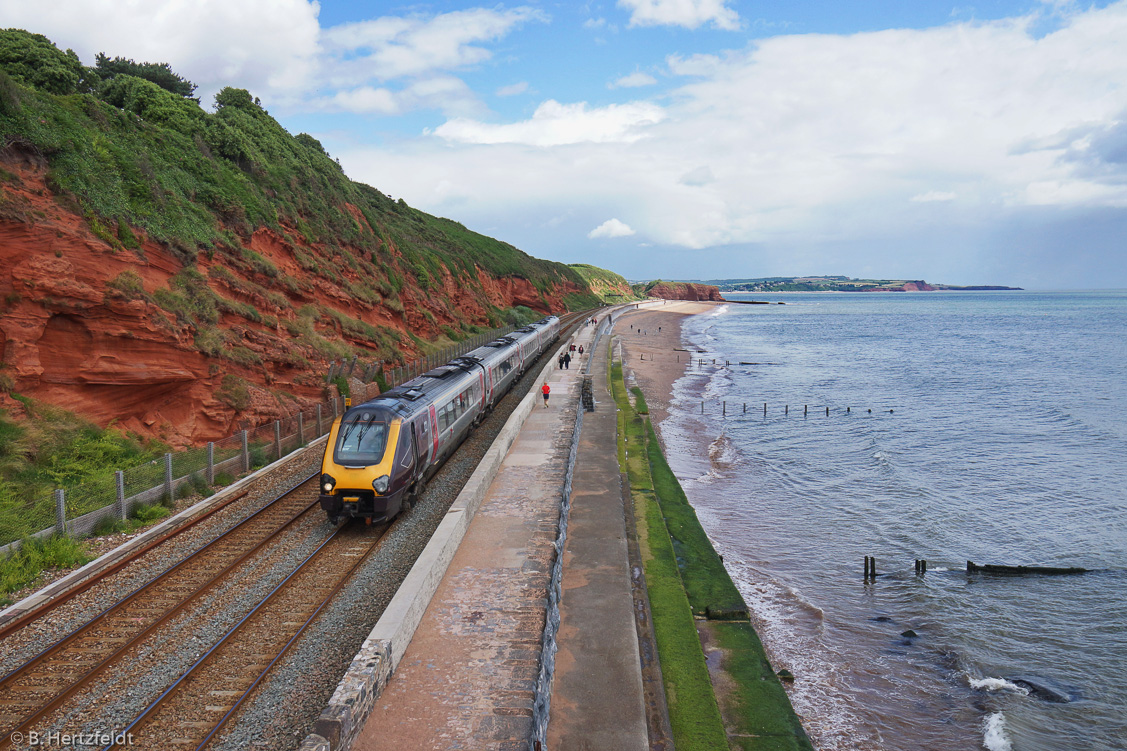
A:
[201,700]
[197,705]
[42,684]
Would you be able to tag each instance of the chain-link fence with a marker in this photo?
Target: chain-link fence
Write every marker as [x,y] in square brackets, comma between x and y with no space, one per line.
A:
[79,510]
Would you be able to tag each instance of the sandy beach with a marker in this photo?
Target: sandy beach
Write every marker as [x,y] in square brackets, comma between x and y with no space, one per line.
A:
[651,355]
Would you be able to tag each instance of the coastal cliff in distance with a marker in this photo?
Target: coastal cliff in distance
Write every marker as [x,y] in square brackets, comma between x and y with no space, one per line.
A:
[842,284]
[179,273]
[694,291]
[609,286]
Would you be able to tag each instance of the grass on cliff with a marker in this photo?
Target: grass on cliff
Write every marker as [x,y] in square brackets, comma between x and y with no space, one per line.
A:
[128,154]
[605,283]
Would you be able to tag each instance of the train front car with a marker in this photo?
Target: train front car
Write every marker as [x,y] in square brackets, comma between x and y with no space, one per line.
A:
[362,473]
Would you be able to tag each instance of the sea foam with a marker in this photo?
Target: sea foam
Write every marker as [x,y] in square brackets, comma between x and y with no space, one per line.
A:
[997,684]
[994,733]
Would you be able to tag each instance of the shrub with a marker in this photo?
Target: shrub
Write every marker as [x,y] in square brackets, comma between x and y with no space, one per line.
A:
[34,60]
[21,567]
[233,392]
[147,514]
[128,284]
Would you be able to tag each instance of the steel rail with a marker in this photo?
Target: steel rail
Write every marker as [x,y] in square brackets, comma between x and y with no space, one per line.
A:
[35,613]
[168,693]
[62,694]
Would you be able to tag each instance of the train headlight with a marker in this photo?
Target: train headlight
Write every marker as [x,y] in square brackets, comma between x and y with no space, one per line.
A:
[380,484]
[328,482]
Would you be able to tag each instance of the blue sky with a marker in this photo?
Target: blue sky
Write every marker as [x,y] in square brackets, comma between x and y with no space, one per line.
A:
[979,143]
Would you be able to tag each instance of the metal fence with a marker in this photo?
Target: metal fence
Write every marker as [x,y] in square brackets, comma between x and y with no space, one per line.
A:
[80,509]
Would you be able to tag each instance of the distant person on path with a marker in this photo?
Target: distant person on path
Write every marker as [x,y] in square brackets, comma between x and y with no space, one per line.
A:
[581,349]
[545,390]
[567,361]
[560,360]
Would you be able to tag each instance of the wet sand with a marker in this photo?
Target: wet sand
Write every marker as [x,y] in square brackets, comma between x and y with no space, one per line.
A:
[651,357]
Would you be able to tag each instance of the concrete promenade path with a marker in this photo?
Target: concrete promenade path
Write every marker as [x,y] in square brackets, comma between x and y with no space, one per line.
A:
[467,679]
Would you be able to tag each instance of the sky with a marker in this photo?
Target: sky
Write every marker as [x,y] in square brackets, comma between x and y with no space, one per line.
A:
[983,143]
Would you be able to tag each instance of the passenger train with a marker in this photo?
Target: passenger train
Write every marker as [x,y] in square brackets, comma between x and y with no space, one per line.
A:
[381,453]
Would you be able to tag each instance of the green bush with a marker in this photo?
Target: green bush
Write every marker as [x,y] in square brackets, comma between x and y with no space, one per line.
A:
[147,514]
[20,568]
[32,59]
[233,392]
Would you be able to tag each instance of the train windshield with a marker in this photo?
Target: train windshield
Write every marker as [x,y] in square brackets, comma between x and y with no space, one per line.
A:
[362,437]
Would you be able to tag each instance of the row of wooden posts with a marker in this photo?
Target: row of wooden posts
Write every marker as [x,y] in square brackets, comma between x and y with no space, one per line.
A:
[786,409]
[871,567]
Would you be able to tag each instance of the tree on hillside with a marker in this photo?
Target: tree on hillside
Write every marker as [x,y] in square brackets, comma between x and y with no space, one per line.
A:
[33,60]
[159,73]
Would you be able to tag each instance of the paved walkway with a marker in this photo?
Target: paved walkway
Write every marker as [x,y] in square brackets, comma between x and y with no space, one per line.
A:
[467,679]
[597,695]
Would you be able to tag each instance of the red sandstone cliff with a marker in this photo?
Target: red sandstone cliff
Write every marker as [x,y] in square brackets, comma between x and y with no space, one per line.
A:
[79,331]
[684,291]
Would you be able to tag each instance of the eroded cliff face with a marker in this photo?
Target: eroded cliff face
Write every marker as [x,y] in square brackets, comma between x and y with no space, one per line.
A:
[685,291]
[79,330]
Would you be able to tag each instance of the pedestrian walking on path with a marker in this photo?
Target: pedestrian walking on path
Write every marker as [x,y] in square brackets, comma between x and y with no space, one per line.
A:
[581,349]
[567,361]
[560,360]
[546,391]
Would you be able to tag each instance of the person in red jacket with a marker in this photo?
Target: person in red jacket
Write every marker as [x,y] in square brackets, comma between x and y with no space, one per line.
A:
[545,391]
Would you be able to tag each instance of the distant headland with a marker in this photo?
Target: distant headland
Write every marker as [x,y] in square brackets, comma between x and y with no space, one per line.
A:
[839,284]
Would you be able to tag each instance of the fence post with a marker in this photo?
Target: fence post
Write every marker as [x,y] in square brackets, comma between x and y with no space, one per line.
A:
[168,477]
[60,512]
[246,453]
[334,408]
[320,431]
[278,437]
[119,481]
[210,462]
[300,429]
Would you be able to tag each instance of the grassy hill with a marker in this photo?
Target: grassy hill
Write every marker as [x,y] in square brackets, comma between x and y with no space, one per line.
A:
[606,284]
[133,157]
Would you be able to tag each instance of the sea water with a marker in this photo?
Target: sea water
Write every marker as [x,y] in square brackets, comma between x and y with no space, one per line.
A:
[982,426]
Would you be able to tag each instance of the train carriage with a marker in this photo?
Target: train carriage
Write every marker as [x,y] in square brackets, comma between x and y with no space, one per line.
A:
[380,454]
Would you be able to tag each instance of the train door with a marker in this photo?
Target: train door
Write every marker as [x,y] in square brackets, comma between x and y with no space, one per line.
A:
[484,392]
[433,430]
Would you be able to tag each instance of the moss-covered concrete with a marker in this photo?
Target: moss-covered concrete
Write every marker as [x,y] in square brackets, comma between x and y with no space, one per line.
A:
[735,700]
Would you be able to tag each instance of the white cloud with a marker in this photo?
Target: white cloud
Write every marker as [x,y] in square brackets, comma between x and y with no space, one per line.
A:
[277,50]
[262,45]
[694,65]
[611,228]
[809,141]
[633,81]
[932,196]
[700,176]
[555,124]
[688,13]
[447,94]
[513,89]
[364,99]
[395,47]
